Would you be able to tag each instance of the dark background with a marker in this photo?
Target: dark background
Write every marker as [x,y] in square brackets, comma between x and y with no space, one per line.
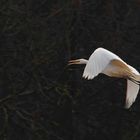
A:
[41,98]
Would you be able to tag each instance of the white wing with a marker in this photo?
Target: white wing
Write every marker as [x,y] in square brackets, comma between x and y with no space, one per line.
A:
[98,61]
[132,90]
[131,94]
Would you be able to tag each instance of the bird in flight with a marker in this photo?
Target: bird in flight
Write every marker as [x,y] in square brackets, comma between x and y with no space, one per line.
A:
[108,63]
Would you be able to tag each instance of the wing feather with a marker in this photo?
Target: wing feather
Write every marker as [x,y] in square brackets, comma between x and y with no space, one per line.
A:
[131,94]
[132,90]
[97,62]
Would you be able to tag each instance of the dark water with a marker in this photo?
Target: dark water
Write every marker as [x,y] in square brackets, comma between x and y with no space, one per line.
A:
[41,98]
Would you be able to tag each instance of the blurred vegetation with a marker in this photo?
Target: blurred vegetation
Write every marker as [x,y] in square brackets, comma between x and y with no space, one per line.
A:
[41,98]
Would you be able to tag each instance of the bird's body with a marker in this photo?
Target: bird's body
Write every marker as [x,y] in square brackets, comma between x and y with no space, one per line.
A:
[108,63]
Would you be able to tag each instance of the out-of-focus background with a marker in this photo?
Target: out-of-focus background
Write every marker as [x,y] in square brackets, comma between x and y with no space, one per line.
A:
[41,98]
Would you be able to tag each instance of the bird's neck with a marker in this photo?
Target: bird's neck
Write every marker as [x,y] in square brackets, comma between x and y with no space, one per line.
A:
[83,61]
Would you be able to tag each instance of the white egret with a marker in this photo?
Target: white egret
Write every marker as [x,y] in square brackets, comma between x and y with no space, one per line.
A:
[108,63]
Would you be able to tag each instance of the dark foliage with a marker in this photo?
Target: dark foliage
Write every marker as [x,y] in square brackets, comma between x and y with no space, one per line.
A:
[41,98]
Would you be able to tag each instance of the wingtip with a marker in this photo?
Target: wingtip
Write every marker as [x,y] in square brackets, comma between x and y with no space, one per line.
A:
[84,76]
[129,103]
[87,76]
[127,106]
[131,93]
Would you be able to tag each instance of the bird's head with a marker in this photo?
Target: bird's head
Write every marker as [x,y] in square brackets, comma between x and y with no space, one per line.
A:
[77,61]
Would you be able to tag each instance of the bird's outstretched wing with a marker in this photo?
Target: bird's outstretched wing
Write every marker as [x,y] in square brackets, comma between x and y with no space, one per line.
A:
[98,61]
[132,90]
[131,94]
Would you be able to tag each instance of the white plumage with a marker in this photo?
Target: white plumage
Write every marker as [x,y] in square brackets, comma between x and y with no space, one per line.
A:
[132,89]
[108,63]
[97,62]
